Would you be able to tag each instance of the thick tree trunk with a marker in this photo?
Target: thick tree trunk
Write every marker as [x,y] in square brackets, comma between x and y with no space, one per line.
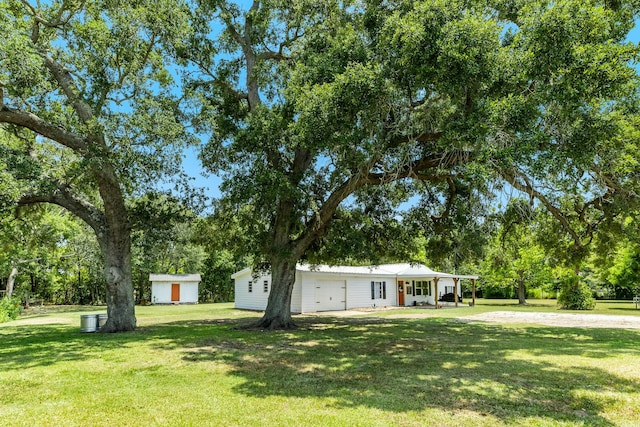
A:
[120,304]
[522,291]
[115,242]
[278,312]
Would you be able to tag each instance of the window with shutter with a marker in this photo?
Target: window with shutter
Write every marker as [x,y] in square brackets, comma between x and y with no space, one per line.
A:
[378,290]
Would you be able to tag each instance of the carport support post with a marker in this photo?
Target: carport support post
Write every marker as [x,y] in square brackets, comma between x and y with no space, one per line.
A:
[435,283]
[455,289]
[473,292]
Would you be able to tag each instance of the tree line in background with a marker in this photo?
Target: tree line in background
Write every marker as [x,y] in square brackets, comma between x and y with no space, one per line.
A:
[357,131]
[56,259]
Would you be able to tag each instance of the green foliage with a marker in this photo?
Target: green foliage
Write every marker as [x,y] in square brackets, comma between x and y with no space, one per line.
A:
[325,119]
[164,240]
[226,249]
[10,309]
[368,235]
[89,89]
[576,295]
[217,285]
[56,256]
[514,257]
[624,272]
[308,112]
[496,290]
[119,61]
[454,233]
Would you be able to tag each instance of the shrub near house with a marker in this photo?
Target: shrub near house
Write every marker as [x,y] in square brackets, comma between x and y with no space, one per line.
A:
[10,309]
[576,296]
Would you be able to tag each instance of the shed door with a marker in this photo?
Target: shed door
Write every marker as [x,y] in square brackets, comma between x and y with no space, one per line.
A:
[175,292]
[330,295]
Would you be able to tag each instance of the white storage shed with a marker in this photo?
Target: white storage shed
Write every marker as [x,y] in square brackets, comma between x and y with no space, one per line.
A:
[174,288]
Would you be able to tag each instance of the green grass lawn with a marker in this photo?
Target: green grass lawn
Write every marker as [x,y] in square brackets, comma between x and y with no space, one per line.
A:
[188,366]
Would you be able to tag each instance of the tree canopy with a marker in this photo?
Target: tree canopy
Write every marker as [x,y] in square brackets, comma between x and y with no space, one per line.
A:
[515,258]
[361,129]
[86,90]
[311,104]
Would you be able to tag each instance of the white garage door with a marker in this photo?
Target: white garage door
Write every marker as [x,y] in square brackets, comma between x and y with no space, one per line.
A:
[330,295]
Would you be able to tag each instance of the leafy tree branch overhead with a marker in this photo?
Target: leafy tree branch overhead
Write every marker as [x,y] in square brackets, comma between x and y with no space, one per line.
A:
[308,104]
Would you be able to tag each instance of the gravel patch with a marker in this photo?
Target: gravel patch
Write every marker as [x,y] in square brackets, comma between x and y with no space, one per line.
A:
[568,320]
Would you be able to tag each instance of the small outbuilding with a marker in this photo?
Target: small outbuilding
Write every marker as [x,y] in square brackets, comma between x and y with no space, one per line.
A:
[327,288]
[174,288]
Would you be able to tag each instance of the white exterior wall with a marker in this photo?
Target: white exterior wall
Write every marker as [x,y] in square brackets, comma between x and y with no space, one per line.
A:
[443,284]
[309,284]
[448,282]
[409,298]
[296,295]
[189,292]
[307,288]
[316,291]
[161,292]
[357,290]
[359,295]
[258,298]
[255,300]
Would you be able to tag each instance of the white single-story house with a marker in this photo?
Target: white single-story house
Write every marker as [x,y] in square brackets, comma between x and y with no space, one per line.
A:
[328,288]
[174,288]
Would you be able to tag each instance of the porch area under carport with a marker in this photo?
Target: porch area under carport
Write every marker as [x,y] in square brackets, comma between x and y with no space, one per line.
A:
[426,290]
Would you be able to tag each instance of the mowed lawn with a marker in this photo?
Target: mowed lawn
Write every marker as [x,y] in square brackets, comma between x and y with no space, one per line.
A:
[190,366]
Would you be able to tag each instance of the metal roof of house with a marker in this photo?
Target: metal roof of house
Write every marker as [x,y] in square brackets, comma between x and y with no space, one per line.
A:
[175,278]
[395,270]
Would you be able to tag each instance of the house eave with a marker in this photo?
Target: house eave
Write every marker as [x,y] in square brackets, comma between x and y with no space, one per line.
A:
[175,278]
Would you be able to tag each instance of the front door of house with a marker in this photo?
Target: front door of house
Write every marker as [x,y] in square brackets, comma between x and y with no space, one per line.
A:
[401,293]
[175,292]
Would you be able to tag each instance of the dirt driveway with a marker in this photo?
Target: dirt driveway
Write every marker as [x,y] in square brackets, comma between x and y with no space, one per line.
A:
[569,320]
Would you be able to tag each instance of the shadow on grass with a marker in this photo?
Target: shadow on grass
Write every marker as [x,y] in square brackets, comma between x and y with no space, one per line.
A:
[410,365]
[27,346]
[396,365]
[43,345]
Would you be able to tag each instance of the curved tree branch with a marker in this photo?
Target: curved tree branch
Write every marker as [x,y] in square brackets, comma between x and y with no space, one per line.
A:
[612,183]
[522,183]
[63,197]
[315,226]
[57,70]
[41,127]
[68,85]
[451,197]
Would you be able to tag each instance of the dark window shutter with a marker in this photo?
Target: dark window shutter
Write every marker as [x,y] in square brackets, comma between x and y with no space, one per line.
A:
[373,290]
[413,288]
[384,290]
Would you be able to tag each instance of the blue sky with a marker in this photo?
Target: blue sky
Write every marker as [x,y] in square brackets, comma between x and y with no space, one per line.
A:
[193,167]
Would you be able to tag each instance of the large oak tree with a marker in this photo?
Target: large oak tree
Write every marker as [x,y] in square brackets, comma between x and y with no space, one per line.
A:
[85,87]
[311,103]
